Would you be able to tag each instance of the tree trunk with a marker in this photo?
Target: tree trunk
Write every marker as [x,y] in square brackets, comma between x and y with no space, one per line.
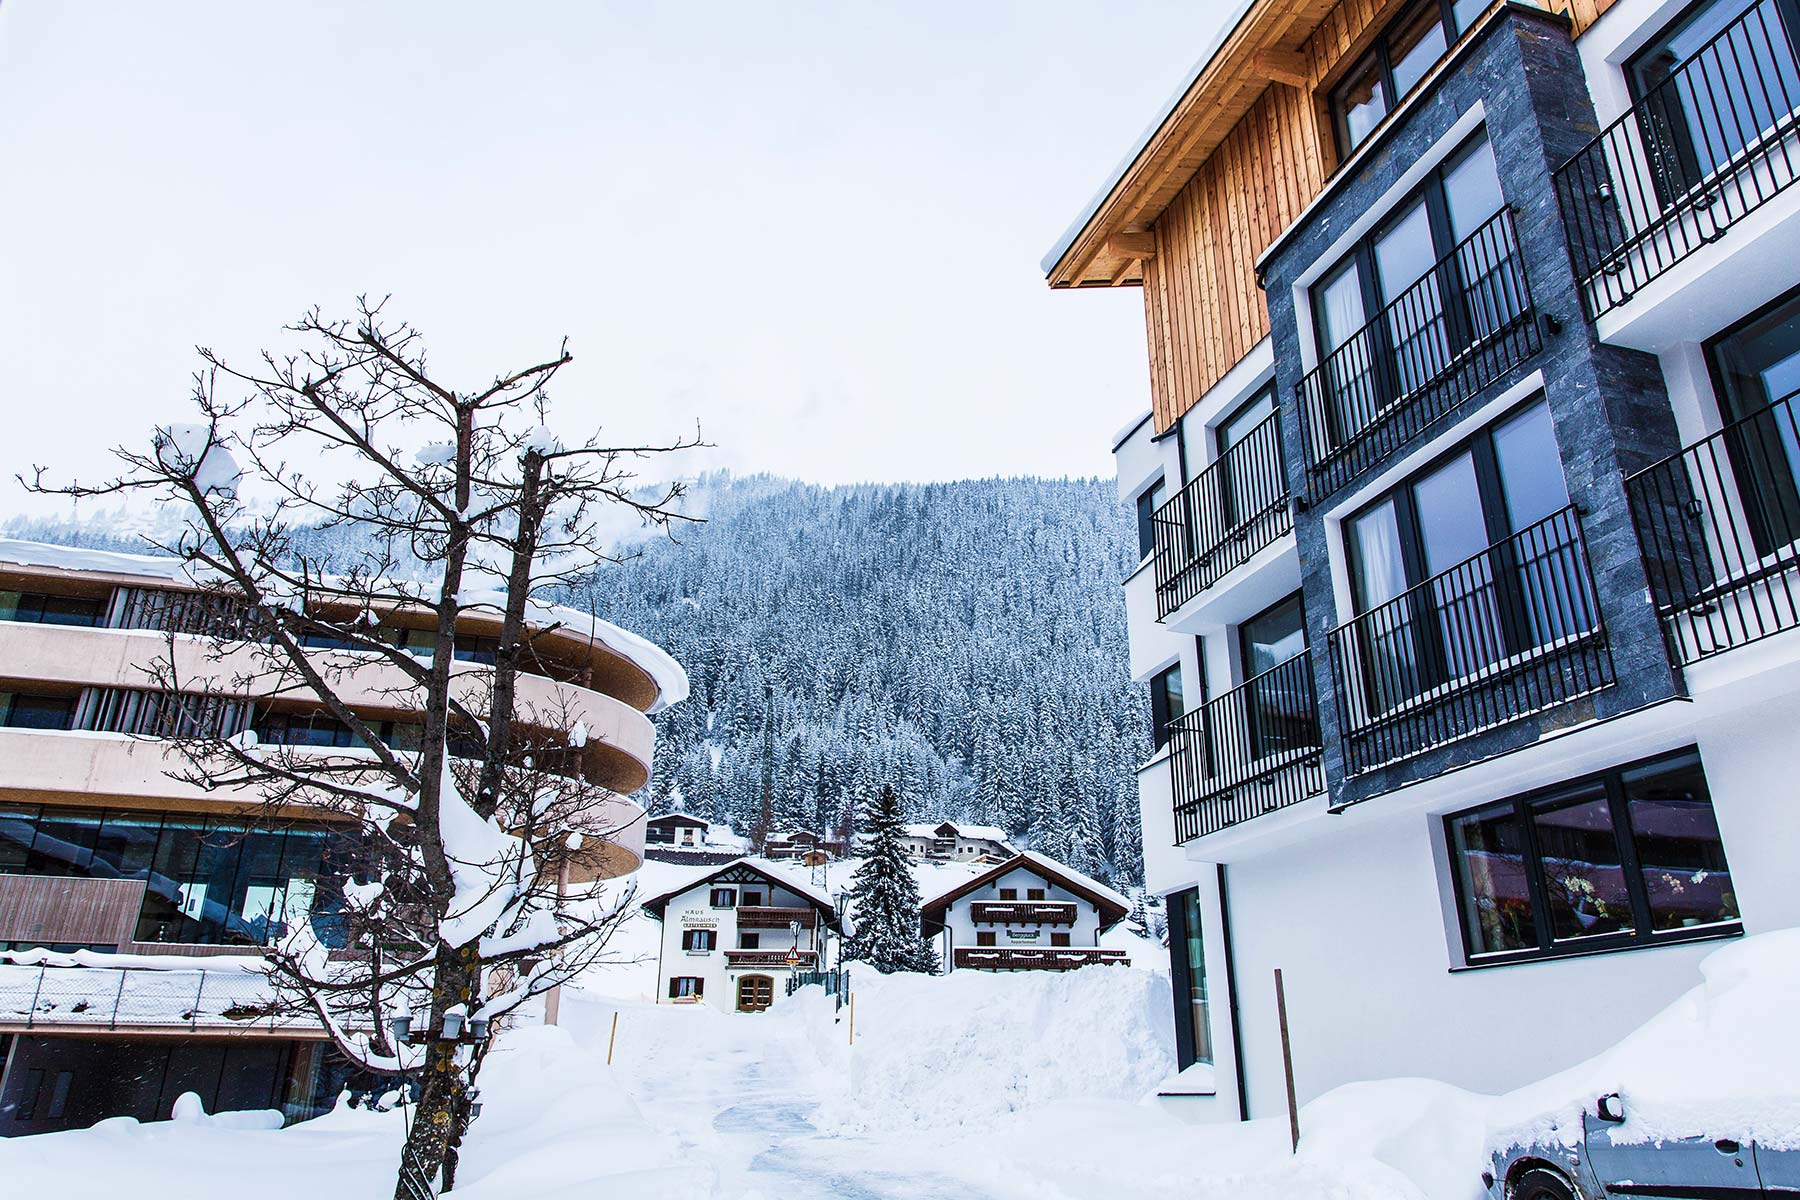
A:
[443,1108]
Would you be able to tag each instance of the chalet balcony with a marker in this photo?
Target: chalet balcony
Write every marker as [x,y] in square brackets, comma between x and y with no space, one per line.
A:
[1512,631]
[1462,326]
[1022,912]
[1251,751]
[1035,958]
[1709,145]
[1225,514]
[1719,527]
[751,916]
[777,959]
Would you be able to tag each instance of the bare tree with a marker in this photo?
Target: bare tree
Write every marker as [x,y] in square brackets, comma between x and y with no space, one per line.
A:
[474,828]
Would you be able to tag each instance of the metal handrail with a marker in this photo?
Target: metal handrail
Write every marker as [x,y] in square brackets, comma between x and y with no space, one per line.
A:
[1702,149]
[1250,751]
[1221,517]
[1507,632]
[1718,524]
[1461,326]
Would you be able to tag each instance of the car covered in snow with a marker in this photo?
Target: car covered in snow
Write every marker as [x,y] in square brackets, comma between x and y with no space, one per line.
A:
[1610,1157]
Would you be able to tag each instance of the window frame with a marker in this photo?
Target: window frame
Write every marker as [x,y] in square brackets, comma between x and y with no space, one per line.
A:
[1642,935]
[730,894]
[699,941]
[1160,717]
[1765,537]
[678,990]
[1147,506]
[1381,51]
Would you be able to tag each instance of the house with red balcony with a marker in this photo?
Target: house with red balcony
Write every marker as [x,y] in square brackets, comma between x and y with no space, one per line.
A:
[732,936]
[1029,913]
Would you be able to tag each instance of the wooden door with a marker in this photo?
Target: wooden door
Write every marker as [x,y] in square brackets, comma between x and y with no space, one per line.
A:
[755,993]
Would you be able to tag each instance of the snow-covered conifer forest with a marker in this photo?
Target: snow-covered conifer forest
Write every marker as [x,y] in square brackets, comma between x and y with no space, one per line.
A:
[964,642]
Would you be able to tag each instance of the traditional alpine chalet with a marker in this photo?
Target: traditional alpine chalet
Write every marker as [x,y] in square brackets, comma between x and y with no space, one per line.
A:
[687,839]
[133,904]
[798,843]
[732,937]
[1029,913]
[952,842]
[1468,504]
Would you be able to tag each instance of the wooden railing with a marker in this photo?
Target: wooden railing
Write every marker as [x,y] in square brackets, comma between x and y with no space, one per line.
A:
[1036,958]
[1023,912]
[768,958]
[752,916]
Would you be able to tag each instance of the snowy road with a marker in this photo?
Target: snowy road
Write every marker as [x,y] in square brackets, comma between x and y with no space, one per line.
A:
[746,1106]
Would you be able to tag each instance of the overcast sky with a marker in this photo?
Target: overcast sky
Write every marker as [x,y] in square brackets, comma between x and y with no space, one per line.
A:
[815,228]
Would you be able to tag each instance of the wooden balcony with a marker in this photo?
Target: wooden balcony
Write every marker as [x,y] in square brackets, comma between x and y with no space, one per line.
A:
[1036,958]
[1023,912]
[777,959]
[765,916]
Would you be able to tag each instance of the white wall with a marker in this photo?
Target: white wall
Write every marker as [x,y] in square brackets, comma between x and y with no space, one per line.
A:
[693,909]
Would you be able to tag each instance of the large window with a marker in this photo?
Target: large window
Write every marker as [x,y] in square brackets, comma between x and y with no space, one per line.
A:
[1245,484]
[1461,566]
[19,710]
[1756,373]
[1148,501]
[1277,714]
[43,609]
[206,881]
[1166,704]
[1629,857]
[1402,56]
[1439,277]
[1187,961]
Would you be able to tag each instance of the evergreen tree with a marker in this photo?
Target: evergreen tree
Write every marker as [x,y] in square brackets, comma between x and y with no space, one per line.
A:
[885,897]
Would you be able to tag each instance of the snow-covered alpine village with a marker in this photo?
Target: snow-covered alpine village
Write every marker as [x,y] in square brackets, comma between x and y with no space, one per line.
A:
[585,611]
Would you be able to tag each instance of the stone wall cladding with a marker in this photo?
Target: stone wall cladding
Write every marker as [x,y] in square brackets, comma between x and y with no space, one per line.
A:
[1609,407]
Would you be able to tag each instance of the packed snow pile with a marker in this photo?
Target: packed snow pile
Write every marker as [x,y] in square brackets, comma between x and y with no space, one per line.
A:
[953,1050]
[555,1124]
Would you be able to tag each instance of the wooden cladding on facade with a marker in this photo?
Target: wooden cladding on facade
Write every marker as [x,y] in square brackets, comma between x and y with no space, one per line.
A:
[56,910]
[1195,210]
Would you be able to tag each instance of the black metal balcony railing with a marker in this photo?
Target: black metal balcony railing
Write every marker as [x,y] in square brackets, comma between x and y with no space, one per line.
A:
[1512,631]
[1467,321]
[1251,751]
[1719,527]
[1232,509]
[1708,145]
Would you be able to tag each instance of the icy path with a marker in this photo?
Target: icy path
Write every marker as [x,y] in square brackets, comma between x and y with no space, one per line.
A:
[740,1093]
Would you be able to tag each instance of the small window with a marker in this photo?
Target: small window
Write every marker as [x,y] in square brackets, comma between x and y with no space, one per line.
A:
[1626,858]
[1059,939]
[1034,893]
[1166,704]
[752,899]
[724,897]
[749,941]
[686,987]
[1148,501]
[1401,57]
[1009,893]
[698,941]
[19,711]
[984,937]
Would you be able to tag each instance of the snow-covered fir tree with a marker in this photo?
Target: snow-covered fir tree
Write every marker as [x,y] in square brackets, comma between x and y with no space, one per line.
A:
[885,897]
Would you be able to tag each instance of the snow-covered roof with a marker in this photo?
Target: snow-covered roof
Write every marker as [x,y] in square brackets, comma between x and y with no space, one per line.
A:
[1050,869]
[671,681]
[771,870]
[975,833]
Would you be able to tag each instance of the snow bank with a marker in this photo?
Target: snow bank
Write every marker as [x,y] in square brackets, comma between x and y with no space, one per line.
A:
[960,1049]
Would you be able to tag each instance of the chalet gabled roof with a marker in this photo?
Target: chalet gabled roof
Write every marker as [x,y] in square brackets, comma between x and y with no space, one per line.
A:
[680,819]
[1112,906]
[748,870]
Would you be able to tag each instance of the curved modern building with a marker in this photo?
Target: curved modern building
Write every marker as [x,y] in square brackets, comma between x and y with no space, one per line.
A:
[107,857]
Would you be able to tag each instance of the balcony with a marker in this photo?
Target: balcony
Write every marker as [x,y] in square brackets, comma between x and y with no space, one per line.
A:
[1512,631]
[1022,912]
[1706,147]
[1462,326]
[1719,527]
[737,960]
[1251,751]
[1225,514]
[1032,958]
[750,916]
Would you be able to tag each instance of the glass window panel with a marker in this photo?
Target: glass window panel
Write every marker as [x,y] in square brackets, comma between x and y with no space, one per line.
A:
[1375,543]
[1466,12]
[1238,426]
[163,917]
[1531,472]
[1404,256]
[1359,103]
[1192,950]
[64,844]
[1472,190]
[1680,854]
[1148,502]
[127,844]
[38,712]
[1340,307]
[1271,638]
[1452,532]
[1759,370]
[18,822]
[1388,643]
[1584,876]
[256,902]
[1415,45]
[1348,360]
[1488,852]
[1249,480]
